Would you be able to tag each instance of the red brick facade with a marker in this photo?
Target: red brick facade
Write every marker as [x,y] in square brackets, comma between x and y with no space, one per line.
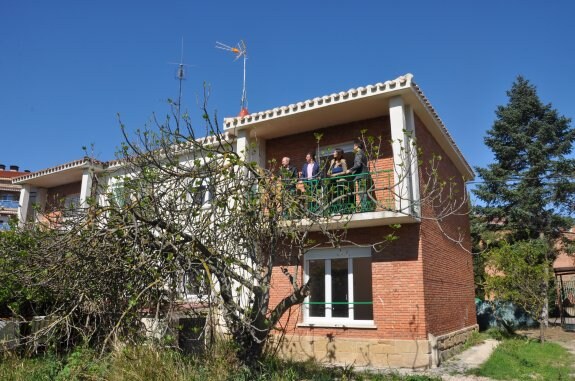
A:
[422,283]
[445,248]
[296,146]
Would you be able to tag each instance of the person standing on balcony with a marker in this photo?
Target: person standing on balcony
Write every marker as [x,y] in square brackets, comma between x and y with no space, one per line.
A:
[338,188]
[361,172]
[310,176]
[310,169]
[287,175]
[287,172]
[338,165]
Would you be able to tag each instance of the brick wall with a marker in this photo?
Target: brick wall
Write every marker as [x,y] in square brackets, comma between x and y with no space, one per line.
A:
[379,152]
[445,246]
[423,282]
[296,146]
[398,295]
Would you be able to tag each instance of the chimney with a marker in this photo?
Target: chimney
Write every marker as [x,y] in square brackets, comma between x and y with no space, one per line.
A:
[14,168]
[2,167]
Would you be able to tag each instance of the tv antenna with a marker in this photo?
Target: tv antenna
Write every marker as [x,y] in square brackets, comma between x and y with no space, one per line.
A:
[180,75]
[241,52]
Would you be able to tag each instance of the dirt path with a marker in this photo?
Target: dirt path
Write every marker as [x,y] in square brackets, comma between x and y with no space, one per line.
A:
[556,335]
[454,368]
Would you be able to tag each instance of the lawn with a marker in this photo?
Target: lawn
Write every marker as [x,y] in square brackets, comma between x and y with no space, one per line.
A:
[524,359]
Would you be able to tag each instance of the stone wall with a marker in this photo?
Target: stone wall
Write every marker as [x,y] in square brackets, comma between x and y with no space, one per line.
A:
[448,345]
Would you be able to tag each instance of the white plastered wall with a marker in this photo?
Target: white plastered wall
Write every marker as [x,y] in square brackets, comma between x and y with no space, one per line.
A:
[404,156]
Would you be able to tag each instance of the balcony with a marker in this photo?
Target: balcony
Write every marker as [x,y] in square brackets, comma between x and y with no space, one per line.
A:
[352,200]
[61,219]
[9,204]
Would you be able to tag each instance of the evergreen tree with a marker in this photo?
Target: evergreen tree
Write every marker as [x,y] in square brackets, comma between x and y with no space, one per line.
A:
[529,189]
[530,185]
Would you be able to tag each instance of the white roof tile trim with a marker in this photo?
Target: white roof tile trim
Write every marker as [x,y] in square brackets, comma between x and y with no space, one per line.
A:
[439,122]
[357,93]
[59,168]
[402,82]
[209,140]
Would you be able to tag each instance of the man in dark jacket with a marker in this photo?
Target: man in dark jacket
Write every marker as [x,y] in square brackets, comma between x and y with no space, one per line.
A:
[361,170]
[287,171]
[359,161]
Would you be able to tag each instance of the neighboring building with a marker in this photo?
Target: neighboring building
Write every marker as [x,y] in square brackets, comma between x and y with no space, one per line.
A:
[564,268]
[411,303]
[407,304]
[52,190]
[565,263]
[9,195]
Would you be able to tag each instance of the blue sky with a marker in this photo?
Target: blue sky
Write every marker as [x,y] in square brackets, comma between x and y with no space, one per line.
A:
[68,67]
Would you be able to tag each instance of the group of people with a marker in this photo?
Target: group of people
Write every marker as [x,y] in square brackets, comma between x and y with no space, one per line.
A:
[342,179]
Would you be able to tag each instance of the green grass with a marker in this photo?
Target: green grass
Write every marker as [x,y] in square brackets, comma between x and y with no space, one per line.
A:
[522,359]
[149,363]
[474,339]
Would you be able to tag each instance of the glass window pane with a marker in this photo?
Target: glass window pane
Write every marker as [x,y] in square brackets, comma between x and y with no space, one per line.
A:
[317,288]
[362,289]
[339,288]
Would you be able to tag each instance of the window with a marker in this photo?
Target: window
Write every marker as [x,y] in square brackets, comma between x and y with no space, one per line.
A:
[72,201]
[119,194]
[200,192]
[340,287]
[326,154]
[7,197]
[194,284]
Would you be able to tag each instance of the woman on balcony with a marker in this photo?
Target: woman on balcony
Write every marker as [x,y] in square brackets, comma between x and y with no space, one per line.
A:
[338,187]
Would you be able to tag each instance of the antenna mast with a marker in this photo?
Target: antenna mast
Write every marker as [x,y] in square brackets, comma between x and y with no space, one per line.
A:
[239,51]
[180,75]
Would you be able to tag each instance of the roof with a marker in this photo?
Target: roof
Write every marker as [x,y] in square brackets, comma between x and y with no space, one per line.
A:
[355,104]
[10,174]
[72,171]
[10,187]
[61,174]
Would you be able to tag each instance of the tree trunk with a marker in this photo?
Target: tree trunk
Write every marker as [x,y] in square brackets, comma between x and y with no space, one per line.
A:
[249,349]
[544,319]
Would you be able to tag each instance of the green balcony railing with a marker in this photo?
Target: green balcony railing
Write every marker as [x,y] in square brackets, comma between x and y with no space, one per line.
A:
[346,194]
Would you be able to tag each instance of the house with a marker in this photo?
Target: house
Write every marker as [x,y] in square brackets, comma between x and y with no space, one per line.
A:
[402,302]
[564,269]
[53,191]
[9,194]
[411,302]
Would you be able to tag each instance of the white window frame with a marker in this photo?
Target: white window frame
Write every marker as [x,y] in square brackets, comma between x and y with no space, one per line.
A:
[191,296]
[205,185]
[328,254]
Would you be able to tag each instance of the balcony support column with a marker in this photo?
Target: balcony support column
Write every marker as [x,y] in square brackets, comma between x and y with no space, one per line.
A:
[404,156]
[251,150]
[23,204]
[86,187]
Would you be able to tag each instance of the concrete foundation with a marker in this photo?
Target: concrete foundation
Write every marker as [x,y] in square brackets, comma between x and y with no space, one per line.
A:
[357,352]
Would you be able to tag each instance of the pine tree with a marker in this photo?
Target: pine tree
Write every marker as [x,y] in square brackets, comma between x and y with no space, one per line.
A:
[530,185]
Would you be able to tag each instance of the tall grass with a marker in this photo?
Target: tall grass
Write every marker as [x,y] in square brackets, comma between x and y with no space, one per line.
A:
[150,363]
